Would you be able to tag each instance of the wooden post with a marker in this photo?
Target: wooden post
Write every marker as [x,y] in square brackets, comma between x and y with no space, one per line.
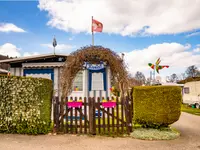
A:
[66,115]
[54,114]
[99,117]
[127,115]
[85,116]
[92,116]
[57,115]
[62,114]
[80,114]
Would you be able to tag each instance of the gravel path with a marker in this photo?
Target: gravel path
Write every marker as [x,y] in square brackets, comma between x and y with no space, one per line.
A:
[188,125]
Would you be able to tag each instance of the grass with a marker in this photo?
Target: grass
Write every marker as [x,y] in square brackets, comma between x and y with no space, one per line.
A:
[188,109]
[155,134]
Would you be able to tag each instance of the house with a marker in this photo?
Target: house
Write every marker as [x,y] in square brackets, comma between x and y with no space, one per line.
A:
[3,72]
[191,91]
[4,67]
[94,80]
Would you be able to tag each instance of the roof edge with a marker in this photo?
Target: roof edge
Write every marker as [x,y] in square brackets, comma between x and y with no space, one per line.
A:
[31,58]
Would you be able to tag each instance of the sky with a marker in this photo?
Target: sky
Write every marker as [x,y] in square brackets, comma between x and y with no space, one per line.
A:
[143,30]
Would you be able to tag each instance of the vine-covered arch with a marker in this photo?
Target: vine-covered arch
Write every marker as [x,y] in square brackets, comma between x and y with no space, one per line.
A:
[94,55]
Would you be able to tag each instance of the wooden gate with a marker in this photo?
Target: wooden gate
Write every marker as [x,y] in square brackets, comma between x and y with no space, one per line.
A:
[93,116]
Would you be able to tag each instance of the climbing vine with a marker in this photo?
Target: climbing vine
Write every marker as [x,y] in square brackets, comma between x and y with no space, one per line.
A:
[94,55]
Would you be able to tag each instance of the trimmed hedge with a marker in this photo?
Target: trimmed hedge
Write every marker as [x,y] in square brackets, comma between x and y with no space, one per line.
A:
[25,105]
[157,106]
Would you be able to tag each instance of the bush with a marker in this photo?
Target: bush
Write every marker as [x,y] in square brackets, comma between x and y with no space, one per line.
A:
[157,106]
[25,105]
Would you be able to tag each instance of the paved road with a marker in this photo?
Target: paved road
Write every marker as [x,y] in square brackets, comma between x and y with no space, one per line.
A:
[189,125]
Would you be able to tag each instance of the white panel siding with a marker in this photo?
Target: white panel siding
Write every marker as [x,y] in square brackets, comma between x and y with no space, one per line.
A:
[12,71]
[55,81]
[108,81]
[85,83]
[22,72]
[58,82]
[76,94]
[56,87]
[17,71]
[194,93]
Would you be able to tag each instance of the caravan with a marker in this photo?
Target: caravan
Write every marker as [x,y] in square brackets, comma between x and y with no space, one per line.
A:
[191,93]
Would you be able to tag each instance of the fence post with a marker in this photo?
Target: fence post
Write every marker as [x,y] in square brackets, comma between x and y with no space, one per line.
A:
[57,115]
[54,114]
[62,114]
[92,116]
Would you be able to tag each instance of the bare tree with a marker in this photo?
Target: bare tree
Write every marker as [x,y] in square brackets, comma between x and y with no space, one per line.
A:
[182,76]
[148,81]
[192,71]
[139,76]
[172,78]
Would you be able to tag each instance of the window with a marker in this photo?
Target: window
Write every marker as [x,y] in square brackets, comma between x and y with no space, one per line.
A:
[186,90]
[78,82]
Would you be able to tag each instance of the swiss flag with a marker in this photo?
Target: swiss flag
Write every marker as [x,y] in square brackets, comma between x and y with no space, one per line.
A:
[97,26]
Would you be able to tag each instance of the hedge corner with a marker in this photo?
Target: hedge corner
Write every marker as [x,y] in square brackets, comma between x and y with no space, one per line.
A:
[25,105]
[157,106]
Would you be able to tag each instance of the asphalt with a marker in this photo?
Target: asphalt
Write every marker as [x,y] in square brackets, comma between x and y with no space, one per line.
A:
[188,125]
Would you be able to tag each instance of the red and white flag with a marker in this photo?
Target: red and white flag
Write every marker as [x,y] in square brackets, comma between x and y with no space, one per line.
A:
[97,26]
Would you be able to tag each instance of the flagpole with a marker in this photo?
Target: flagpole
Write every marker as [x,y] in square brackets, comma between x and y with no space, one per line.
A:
[92,33]
[94,94]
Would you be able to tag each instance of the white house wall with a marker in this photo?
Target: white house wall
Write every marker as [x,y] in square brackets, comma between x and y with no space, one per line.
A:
[57,82]
[16,71]
[85,83]
[194,92]
[108,81]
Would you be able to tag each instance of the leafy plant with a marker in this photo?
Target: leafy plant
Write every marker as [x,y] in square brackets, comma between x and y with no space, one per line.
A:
[25,105]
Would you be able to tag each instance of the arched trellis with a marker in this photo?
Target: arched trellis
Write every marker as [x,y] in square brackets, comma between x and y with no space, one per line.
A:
[94,55]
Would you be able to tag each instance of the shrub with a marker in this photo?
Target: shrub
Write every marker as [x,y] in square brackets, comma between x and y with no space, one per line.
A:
[25,105]
[156,106]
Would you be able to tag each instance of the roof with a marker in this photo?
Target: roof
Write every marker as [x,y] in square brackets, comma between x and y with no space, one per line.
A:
[189,80]
[172,84]
[3,71]
[49,64]
[35,57]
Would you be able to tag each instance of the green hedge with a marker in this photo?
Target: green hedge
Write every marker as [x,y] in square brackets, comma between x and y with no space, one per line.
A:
[25,105]
[156,106]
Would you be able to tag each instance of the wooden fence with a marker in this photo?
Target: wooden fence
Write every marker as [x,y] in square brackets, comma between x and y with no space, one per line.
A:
[93,116]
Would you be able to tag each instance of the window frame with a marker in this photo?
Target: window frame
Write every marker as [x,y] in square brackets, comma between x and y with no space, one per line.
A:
[81,72]
[186,90]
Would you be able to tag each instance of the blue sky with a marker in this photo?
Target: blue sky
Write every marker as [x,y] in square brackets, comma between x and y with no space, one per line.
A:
[41,20]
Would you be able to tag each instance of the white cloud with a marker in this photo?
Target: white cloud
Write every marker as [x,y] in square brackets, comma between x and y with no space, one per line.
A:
[127,17]
[10,50]
[193,34]
[176,55]
[30,54]
[9,27]
[196,50]
[59,47]
[198,45]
